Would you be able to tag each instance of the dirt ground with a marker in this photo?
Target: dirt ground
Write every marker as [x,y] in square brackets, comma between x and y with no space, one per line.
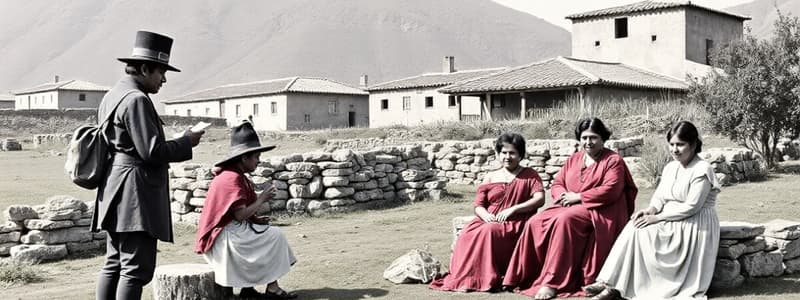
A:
[343,256]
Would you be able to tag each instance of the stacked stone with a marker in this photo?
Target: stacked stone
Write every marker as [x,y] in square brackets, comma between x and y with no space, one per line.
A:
[51,139]
[51,231]
[320,182]
[629,147]
[10,144]
[733,165]
[189,184]
[788,149]
[754,250]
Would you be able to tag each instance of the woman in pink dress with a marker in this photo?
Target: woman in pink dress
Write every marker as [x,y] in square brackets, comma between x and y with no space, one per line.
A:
[504,201]
[562,248]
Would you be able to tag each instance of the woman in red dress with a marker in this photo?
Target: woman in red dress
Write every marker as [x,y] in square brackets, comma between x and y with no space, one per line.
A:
[563,248]
[504,201]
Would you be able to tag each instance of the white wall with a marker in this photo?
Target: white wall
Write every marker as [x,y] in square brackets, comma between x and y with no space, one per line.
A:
[417,114]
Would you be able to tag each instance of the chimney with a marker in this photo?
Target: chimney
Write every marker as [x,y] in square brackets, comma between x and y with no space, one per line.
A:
[363,81]
[56,79]
[449,64]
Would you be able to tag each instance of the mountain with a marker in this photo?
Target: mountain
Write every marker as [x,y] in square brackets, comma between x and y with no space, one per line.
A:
[221,42]
[764,13]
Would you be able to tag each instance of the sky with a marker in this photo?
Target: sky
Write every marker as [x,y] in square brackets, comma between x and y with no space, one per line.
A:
[555,11]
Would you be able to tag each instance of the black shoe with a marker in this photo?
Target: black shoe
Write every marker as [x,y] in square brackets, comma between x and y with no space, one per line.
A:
[280,294]
[251,293]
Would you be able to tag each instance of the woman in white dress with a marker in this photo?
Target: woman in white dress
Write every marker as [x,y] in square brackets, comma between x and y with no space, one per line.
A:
[668,250]
[242,248]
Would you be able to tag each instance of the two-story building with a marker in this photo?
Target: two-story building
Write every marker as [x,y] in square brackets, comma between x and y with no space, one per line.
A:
[60,95]
[294,103]
[416,100]
[671,38]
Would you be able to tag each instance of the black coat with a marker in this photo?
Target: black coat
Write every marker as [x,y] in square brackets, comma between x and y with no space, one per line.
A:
[135,193]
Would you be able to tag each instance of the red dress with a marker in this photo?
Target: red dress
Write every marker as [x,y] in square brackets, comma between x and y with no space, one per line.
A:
[482,250]
[565,247]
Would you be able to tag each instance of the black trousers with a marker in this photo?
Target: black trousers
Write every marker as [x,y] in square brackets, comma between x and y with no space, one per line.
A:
[130,263]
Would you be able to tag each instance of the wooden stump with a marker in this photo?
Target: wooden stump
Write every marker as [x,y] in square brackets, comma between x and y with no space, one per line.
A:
[187,282]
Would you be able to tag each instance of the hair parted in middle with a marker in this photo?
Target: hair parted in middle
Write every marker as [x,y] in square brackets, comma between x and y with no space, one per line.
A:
[514,139]
[593,124]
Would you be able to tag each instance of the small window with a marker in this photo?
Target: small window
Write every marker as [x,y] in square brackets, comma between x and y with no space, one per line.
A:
[188,112]
[333,107]
[255,109]
[384,104]
[653,38]
[621,28]
[175,112]
[81,97]
[208,111]
[273,108]
[307,118]
[238,110]
[597,43]
[51,98]
[407,103]
[428,102]
[451,101]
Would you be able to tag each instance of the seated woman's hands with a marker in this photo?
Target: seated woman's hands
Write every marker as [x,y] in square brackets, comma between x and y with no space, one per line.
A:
[569,198]
[645,217]
[503,215]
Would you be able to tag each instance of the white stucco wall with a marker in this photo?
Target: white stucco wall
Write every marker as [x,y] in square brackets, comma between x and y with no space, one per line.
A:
[702,25]
[316,106]
[70,99]
[664,55]
[58,100]
[417,114]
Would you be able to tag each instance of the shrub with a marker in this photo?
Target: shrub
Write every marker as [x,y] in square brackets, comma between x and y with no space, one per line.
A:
[14,272]
[655,155]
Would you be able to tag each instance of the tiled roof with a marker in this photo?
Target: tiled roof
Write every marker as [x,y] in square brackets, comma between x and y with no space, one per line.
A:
[69,85]
[268,87]
[432,80]
[563,72]
[648,6]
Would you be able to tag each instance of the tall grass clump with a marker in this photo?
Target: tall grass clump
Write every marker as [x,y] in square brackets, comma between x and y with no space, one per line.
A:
[15,272]
[655,155]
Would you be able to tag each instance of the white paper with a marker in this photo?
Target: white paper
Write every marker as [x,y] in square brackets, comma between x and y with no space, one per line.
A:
[200,126]
[197,127]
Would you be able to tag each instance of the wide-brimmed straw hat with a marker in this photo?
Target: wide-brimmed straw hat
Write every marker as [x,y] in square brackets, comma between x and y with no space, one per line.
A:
[151,47]
[244,140]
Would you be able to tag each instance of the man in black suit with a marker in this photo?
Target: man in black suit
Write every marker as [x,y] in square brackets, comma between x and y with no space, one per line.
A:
[133,202]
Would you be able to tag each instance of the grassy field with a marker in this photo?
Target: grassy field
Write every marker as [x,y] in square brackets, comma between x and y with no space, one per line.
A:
[343,256]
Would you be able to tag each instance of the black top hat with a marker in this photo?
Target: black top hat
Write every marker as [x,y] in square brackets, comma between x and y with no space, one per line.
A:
[244,140]
[152,47]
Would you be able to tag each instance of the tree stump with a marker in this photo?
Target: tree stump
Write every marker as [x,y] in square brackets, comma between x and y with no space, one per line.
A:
[187,282]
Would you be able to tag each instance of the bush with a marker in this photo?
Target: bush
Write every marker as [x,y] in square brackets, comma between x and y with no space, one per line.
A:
[14,272]
[655,155]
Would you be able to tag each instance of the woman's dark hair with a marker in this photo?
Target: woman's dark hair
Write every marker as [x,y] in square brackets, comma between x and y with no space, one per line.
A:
[687,132]
[514,139]
[595,125]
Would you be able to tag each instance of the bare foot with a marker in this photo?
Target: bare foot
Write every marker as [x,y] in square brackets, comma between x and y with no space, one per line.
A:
[545,293]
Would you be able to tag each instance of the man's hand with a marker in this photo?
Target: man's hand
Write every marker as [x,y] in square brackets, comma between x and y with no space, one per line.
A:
[194,136]
[261,220]
[267,194]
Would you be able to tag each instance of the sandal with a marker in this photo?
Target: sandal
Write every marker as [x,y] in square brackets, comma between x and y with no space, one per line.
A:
[594,289]
[280,294]
[608,294]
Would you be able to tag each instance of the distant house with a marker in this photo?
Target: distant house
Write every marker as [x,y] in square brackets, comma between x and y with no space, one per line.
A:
[515,92]
[60,95]
[294,103]
[416,100]
[6,101]
[672,38]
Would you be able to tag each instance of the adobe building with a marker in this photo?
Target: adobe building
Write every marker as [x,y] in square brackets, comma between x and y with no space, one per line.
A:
[417,100]
[294,103]
[671,38]
[60,95]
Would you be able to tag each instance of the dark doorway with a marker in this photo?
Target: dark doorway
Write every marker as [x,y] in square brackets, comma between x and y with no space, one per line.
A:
[222,109]
[351,119]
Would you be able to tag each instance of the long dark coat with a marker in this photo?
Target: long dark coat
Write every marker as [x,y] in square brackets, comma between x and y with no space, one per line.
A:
[135,193]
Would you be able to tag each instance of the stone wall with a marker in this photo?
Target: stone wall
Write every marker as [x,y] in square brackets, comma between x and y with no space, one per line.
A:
[51,231]
[733,165]
[756,250]
[51,139]
[320,182]
[10,144]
